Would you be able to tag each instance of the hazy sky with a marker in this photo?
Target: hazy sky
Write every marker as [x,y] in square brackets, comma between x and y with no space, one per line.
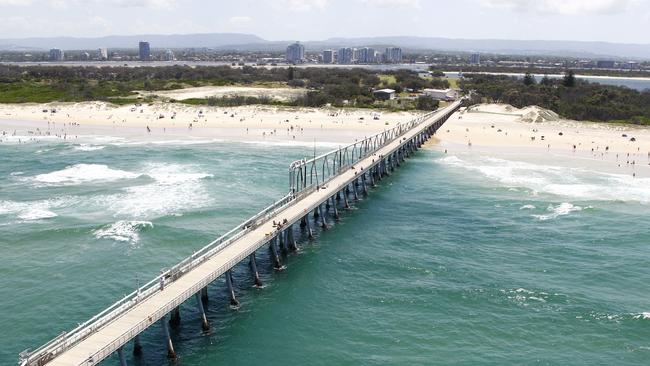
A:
[602,20]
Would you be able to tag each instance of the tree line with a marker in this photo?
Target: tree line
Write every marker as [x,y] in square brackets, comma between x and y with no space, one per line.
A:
[569,97]
[333,86]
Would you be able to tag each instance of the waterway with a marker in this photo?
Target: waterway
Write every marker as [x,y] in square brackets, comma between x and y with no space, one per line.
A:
[455,259]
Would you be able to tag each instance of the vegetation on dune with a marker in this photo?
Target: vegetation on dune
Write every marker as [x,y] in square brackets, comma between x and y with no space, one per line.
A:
[571,98]
[337,87]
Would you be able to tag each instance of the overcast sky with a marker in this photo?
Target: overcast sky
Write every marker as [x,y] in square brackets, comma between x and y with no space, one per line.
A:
[600,20]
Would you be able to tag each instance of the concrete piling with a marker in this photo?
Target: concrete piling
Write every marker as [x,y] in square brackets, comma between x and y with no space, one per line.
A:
[231,290]
[291,241]
[137,346]
[122,357]
[204,319]
[336,210]
[168,339]
[256,275]
[323,217]
[277,263]
[204,295]
[175,317]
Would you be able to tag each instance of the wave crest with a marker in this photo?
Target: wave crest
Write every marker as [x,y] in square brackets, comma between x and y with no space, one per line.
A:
[123,231]
[83,173]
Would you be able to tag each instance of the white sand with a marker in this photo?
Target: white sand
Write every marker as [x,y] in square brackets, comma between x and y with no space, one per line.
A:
[174,121]
[498,127]
[280,94]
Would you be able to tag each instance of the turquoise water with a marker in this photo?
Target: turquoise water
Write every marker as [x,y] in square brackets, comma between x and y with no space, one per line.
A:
[455,259]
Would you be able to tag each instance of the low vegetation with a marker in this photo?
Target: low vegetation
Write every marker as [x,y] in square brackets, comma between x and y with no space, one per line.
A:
[571,98]
[336,87]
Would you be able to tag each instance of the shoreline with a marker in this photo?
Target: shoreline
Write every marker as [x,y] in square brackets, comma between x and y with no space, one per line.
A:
[489,129]
[499,130]
[166,120]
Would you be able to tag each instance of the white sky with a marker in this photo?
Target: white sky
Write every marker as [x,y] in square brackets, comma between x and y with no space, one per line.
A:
[626,21]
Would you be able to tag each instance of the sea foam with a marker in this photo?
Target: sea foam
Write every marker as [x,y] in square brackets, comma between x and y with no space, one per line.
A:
[562,209]
[123,231]
[574,183]
[175,188]
[83,173]
[34,210]
[86,147]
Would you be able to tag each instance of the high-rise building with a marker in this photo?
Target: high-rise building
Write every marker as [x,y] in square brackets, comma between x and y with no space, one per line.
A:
[57,54]
[393,55]
[169,56]
[605,64]
[345,56]
[328,57]
[145,51]
[367,55]
[296,53]
[475,59]
[102,53]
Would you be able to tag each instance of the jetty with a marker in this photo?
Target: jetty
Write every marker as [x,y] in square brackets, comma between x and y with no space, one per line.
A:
[318,188]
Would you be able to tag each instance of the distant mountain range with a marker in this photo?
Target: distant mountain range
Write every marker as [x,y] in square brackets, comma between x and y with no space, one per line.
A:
[248,42]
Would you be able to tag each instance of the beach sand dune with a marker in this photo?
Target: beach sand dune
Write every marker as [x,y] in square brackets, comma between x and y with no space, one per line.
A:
[280,94]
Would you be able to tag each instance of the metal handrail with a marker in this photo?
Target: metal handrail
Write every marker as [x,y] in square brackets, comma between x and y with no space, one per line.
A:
[67,339]
[348,155]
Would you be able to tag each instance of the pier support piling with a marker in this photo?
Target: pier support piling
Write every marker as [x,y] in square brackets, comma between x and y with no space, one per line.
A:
[363,184]
[204,319]
[336,210]
[175,317]
[277,264]
[310,233]
[282,242]
[256,274]
[231,290]
[120,354]
[323,219]
[168,339]
[137,346]
[291,242]
[354,189]
[204,295]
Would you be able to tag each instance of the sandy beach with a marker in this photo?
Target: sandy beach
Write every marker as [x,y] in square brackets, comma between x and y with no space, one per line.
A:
[498,128]
[280,94]
[487,129]
[178,121]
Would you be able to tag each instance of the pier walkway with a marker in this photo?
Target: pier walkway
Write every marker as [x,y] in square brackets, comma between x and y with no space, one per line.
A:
[328,180]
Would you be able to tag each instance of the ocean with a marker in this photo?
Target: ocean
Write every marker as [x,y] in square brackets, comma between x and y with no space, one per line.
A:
[464,258]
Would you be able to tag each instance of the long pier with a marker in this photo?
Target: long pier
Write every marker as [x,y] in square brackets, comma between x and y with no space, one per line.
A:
[330,180]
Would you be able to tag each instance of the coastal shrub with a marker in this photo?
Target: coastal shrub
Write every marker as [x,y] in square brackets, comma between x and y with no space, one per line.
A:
[582,101]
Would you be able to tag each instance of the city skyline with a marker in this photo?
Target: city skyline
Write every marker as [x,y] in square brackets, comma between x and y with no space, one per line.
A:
[578,20]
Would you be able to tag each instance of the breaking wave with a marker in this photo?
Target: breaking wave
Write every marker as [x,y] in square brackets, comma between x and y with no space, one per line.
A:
[123,231]
[560,181]
[557,211]
[83,173]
